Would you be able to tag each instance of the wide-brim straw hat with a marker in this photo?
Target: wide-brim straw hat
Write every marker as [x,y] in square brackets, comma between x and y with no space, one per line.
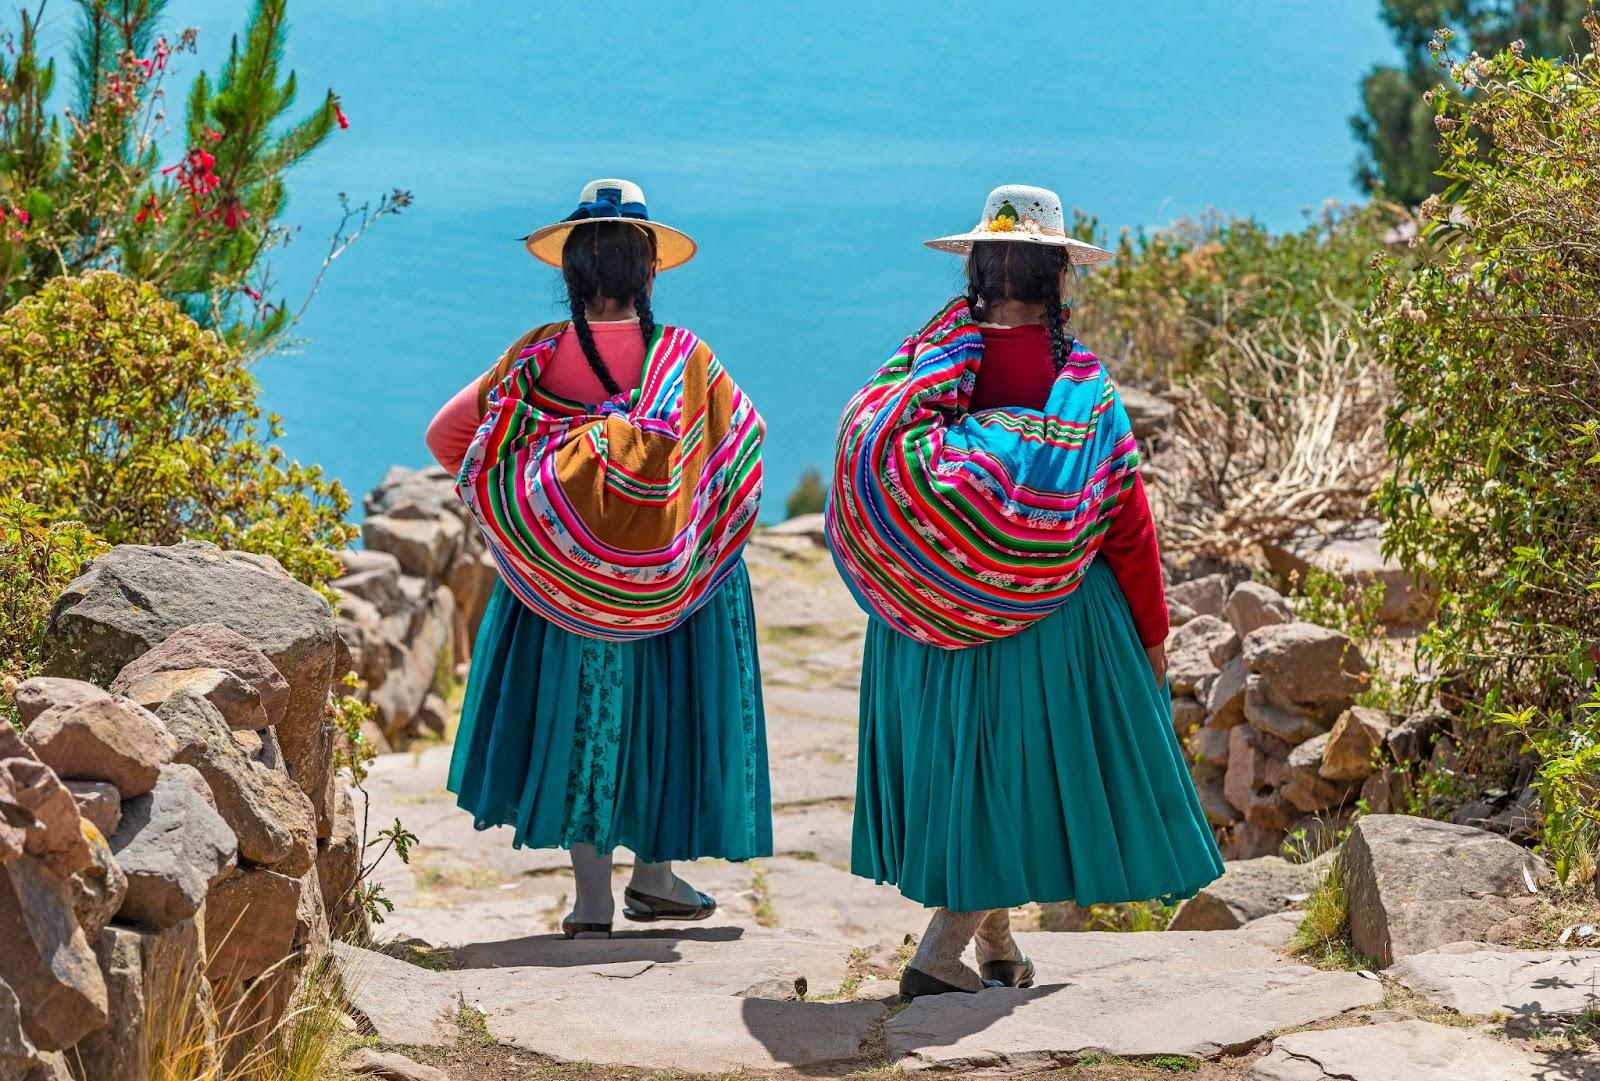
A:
[1023,215]
[616,201]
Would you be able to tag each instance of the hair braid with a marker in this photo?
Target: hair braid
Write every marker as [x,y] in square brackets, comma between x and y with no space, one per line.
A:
[1060,344]
[647,319]
[591,352]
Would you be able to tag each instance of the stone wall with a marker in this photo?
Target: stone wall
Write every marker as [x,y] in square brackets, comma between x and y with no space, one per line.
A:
[171,825]
[410,602]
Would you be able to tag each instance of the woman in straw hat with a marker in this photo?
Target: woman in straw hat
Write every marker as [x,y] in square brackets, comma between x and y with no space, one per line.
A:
[987,512]
[614,467]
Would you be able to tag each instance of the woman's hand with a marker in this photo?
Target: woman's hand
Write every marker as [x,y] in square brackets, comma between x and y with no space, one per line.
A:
[1158,662]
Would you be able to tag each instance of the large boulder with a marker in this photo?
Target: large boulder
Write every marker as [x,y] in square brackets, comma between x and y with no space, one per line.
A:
[1414,884]
[104,739]
[54,836]
[270,817]
[173,846]
[1205,596]
[1248,890]
[1197,650]
[237,701]
[415,662]
[425,545]
[93,632]
[1306,787]
[206,647]
[1301,666]
[250,922]
[1354,554]
[116,1052]
[1224,705]
[34,696]
[1356,735]
[1252,606]
[45,957]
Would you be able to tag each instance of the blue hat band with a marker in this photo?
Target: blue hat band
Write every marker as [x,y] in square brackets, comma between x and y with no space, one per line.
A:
[608,204]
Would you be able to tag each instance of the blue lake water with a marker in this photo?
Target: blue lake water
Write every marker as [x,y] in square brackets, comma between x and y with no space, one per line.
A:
[809,148]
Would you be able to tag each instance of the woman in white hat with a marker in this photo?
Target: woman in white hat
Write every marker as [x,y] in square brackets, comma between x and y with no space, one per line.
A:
[614,698]
[986,509]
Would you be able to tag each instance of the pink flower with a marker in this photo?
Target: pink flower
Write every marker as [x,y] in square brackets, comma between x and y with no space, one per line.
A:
[252,294]
[22,216]
[214,136]
[234,215]
[338,112]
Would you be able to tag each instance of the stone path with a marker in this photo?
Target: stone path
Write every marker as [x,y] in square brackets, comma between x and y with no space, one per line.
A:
[794,975]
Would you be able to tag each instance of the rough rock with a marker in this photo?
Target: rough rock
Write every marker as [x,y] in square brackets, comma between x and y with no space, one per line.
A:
[1184,1013]
[34,696]
[1187,715]
[1248,890]
[1225,696]
[1307,788]
[99,802]
[1386,791]
[1292,725]
[52,1066]
[250,921]
[433,715]
[338,865]
[237,701]
[46,959]
[116,1052]
[471,581]
[55,836]
[173,846]
[425,546]
[1178,614]
[1150,416]
[1207,596]
[1355,555]
[1214,802]
[1248,841]
[1197,650]
[372,576]
[204,646]
[97,890]
[1414,884]
[93,632]
[391,1066]
[1412,739]
[1252,606]
[1357,733]
[1523,983]
[1305,665]
[270,817]
[1409,1051]
[1210,747]
[17,1052]
[1256,773]
[411,674]
[105,739]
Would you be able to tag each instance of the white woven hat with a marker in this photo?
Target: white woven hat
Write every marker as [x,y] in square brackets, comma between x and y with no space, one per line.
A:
[611,200]
[1021,213]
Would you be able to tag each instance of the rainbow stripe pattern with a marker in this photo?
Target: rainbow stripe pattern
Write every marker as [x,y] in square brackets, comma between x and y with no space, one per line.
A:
[616,521]
[959,528]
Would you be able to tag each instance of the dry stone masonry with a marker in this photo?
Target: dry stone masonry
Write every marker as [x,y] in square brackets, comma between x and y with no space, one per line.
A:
[173,825]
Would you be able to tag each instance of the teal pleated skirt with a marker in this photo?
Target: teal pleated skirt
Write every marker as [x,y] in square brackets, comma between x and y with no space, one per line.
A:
[1040,767]
[658,744]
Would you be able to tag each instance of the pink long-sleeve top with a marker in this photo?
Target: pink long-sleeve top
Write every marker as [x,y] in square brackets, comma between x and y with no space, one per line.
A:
[568,375]
[1018,370]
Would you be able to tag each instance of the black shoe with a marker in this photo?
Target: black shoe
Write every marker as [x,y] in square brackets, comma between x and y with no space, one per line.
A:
[573,929]
[642,908]
[1008,973]
[915,983]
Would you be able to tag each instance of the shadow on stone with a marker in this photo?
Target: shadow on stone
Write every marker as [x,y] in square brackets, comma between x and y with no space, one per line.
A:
[555,951]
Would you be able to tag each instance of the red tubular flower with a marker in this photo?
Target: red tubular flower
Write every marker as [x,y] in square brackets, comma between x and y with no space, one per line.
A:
[252,294]
[234,215]
[214,136]
[344,121]
[23,217]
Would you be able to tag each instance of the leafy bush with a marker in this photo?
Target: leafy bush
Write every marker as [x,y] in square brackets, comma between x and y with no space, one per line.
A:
[1162,309]
[1494,349]
[809,495]
[145,427]
[40,557]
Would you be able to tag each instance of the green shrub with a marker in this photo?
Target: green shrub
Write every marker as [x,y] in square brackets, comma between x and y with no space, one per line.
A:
[145,427]
[809,495]
[40,557]
[1494,348]
[1173,296]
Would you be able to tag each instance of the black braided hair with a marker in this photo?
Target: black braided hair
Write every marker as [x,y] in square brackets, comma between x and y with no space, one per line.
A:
[999,270]
[613,260]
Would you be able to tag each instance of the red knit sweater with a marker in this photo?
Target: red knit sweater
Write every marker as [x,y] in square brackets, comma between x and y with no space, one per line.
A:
[1017,370]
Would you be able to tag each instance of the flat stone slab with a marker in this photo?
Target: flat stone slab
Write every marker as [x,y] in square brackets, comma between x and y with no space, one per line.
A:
[1523,983]
[812,896]
[1413,1051]
[1062,955]
[650,1002]
[1195,1014]
[820,832]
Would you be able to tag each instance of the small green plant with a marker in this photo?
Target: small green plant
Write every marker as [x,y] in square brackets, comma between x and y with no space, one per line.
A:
[765,914]
[810,495]
[1130,916]
[40,557]
[351,750]
[1323,936]
[1326,599]
[472,1027]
